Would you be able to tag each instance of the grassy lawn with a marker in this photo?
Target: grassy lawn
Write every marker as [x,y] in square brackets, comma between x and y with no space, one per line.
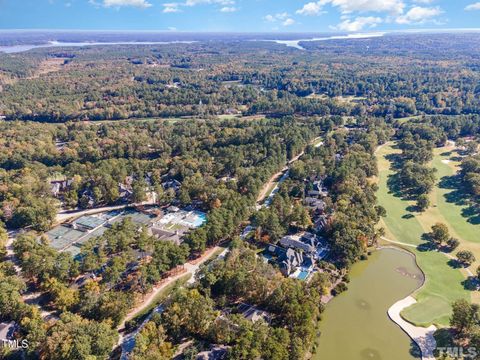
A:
[443,283]
[408,118]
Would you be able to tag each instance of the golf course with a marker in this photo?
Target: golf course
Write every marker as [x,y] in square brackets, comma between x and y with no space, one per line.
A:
[404,227]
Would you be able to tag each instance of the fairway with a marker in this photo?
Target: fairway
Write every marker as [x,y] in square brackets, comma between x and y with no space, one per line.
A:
[443,283]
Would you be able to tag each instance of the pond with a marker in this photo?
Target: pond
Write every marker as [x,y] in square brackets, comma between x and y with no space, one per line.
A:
[355,324]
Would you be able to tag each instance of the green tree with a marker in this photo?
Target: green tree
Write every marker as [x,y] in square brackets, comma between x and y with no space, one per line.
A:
[3,239]
[439,234]
[465,257]
[423,202]
[189,313]
[465,317]
[139,193]
[73,337]
[453,243]
[152,344]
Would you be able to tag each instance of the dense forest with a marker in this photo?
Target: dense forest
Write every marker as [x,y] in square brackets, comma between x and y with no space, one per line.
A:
[206,126]
[206,79]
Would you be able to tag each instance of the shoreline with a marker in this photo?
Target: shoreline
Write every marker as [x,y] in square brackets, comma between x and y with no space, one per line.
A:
[422,336]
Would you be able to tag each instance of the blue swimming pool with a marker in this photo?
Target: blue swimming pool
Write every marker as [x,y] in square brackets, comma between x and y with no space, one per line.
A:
[200,218]
[303,275]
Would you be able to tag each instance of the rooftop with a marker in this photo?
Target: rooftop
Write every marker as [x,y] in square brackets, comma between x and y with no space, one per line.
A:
[6,330]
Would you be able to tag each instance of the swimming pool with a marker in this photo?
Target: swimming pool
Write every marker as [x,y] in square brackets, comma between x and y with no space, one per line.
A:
[303,275]
[200,218]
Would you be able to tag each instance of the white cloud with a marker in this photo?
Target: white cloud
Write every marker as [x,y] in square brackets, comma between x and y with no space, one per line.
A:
[311,8]
[281,16]
[423,1]
[348,6]
[419,15]
[228,9]
[284,18]
[200,2]
[358,23]
[275,17]
[474,6]
[120,3]
[393,7]
[227,5]
[171,8]
[269,18]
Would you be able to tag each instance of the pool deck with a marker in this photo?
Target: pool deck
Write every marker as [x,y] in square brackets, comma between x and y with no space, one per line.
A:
[423,337]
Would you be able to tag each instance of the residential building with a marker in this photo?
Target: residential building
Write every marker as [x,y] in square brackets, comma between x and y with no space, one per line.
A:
[315,204]
[290,261]
[253,314]
[7,330]
[304,241]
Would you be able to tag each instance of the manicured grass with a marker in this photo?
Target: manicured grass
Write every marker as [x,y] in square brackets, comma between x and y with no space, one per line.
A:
[443,283]
[408,118]
[459,225]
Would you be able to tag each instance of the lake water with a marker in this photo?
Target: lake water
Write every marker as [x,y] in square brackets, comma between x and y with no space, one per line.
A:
[355,324]
[296,43]
[291,43]
[22,48]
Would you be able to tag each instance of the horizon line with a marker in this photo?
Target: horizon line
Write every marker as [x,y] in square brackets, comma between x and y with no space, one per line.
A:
[245,32]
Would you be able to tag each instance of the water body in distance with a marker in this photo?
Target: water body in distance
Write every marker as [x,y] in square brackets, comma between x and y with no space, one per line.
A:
[21,48]
[296,43]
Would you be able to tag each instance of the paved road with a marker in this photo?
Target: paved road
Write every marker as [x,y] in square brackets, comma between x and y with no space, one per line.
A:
[190,268]
[128,342]
[280,177]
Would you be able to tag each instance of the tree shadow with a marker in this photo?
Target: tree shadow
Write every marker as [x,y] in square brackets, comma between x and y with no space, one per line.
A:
[455,264]
[427,246]
[472,213]
[394,183]
[461,197]
[415,351]
[471,284]
[395,161]
[444,338]
[396,189]
[445,249]
[413,208]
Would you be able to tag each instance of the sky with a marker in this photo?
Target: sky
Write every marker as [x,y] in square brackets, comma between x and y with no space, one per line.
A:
[240,15]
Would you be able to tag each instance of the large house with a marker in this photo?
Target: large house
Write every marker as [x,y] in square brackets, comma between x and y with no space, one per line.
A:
[317,189]
[163,234]
[289,260]
[321,223]
[253,314]
[59,186]
[305,241]
[315,204]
